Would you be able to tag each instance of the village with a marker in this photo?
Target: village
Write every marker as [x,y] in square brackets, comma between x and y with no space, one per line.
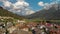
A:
[21,27]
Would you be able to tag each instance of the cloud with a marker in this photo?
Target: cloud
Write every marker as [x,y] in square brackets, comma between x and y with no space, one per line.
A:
[20,4]
[48,5]
[45,5]
[52,4]
[20,0]
[41,3]
[2,0]
[7,4]
[18,7]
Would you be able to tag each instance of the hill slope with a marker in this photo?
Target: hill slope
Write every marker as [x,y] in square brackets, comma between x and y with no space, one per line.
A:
[4,12]
[50,14]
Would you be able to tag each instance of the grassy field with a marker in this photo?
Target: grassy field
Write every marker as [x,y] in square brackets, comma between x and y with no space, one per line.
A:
[39,20]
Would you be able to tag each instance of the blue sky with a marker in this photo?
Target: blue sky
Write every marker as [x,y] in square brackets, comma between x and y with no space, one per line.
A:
[33,4]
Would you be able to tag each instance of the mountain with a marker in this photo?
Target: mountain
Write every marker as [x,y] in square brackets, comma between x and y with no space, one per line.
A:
[20,11]
[28,12]
[25,12]
[53,13]
[7,13]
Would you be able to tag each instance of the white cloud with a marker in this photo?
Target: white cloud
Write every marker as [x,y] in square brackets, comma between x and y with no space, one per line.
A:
[45,5]
[20,0]
[48,5]
[19,3]
[3,0]
[52,4]
[7,4]
[28,11]
[20,7]
[41,3]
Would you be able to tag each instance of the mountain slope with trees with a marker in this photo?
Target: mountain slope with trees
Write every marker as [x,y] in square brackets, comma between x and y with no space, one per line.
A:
[6,13]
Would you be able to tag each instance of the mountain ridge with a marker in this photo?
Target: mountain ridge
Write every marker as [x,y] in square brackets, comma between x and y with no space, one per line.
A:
[53,13]
[4,12]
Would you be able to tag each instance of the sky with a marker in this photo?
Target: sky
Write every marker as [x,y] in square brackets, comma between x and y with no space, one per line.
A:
[34,5]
